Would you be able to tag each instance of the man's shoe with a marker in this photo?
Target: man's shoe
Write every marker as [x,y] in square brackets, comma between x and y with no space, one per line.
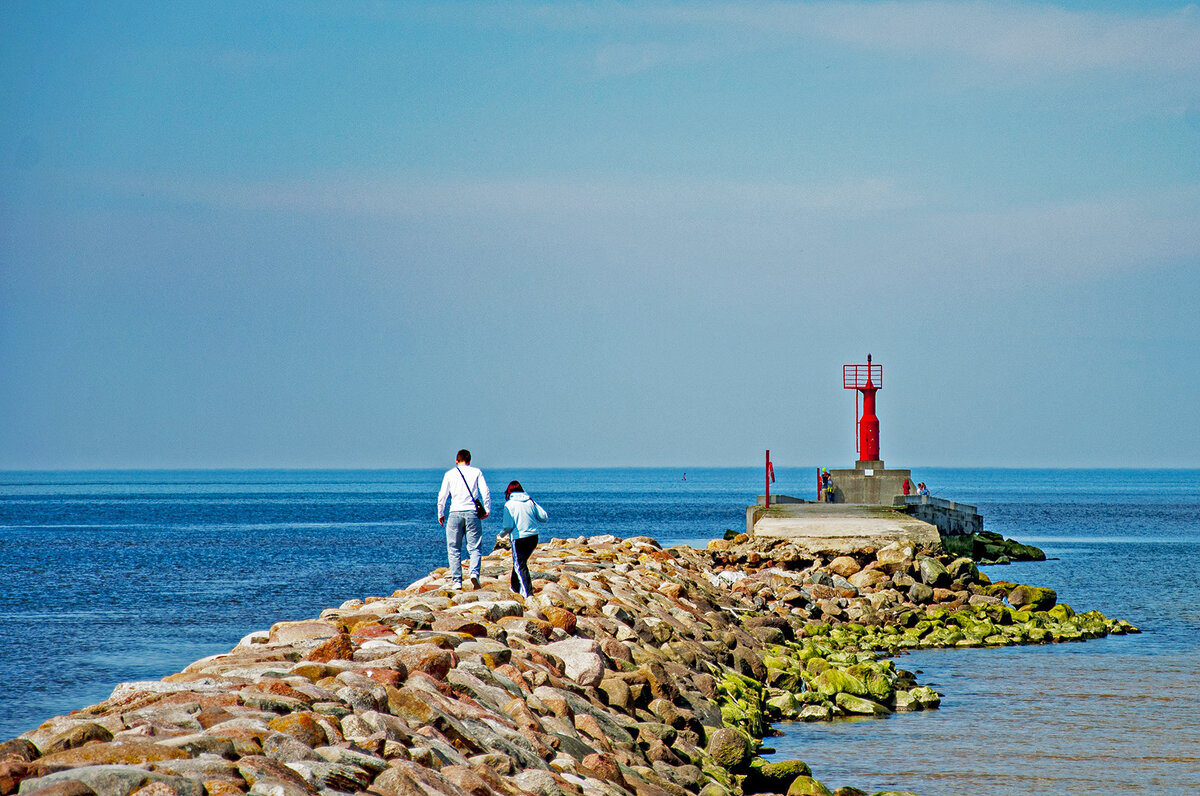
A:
[474,582]
[456,585]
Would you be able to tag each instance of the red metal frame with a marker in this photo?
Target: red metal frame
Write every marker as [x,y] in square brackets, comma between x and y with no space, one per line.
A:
[866,379]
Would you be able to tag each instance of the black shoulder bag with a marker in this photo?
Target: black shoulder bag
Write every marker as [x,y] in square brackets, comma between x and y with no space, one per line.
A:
[480,511]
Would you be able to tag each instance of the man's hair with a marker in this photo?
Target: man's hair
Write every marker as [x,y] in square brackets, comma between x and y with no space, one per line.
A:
[463,456]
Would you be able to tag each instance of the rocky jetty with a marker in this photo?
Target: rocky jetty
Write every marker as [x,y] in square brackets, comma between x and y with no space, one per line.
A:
[632,670]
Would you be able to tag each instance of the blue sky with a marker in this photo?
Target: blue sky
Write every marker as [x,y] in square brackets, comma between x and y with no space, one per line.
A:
[311,234]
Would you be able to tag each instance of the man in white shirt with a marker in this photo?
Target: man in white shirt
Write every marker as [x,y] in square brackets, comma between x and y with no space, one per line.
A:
[462,485]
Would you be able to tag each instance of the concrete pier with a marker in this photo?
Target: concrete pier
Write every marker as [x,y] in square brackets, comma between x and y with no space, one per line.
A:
[838,528]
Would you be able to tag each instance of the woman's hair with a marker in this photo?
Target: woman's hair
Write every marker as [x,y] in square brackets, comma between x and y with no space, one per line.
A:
[513,486]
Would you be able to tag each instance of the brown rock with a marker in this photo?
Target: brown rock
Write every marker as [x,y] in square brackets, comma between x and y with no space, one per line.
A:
[428,658]
[616,650]
[844,566]
[603,767]
[155,788]
[618,693]
[672,589]
[18,749]
[560,618]
[304,727]
[66,787]
[406,778]
[302,630]
[393,676]
[868,578]
[246,742]
[78,736]
[221,787]
[459,624]
[660,752]
[127,752]
[369,630]
[256,767]
[661,684]
[519,712]
[337,648]
[12,773]
[279,688]
[467,780]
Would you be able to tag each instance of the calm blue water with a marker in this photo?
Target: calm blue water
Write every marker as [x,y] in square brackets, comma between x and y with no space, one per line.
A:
[116,576]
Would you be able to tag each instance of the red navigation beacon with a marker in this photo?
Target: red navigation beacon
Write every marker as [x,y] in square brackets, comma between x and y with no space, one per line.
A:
[867,379]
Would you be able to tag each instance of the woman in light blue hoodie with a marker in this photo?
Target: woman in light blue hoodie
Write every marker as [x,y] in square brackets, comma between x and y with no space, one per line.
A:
[521,514]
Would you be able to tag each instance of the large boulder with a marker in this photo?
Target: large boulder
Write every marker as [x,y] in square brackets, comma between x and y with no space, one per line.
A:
[896,557]
[111,780]
[581,659]
[1035,598]
[844,566]
[931,572]
[730,748]
[807,786]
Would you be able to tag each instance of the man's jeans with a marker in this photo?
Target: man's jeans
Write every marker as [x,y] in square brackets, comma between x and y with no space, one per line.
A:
[458,525]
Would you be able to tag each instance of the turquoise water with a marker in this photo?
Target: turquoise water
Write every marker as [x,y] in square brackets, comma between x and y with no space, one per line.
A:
[114,576]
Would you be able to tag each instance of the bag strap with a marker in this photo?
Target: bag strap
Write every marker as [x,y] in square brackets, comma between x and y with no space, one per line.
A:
[464,478]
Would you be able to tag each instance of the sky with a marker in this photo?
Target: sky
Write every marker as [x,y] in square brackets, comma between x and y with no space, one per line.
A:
[317,234]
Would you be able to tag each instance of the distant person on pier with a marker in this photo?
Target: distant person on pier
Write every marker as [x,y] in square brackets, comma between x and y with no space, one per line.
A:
[466,490]
[922,489]
[521,515]
[826,489]
[907,487]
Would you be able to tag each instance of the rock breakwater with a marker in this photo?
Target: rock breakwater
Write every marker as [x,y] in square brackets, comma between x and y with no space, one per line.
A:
[632,670]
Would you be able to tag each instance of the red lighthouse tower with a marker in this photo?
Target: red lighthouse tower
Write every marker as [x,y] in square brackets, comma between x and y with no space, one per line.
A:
[869,482]
[867,379]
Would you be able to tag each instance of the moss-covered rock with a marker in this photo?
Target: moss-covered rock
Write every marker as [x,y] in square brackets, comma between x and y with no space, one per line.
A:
[860,706]
[807,786]
[835,681]
[1036,598]
[926,696]
[765,777]
[729,747]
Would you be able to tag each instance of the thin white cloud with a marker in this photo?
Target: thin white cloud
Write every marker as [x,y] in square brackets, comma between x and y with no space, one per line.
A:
[382,197]
[1019,36]
[871,223]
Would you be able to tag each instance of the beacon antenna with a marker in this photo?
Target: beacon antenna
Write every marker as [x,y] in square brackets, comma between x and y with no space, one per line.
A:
[867,380]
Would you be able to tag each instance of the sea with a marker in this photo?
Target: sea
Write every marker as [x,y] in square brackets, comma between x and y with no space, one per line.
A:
[113,576]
